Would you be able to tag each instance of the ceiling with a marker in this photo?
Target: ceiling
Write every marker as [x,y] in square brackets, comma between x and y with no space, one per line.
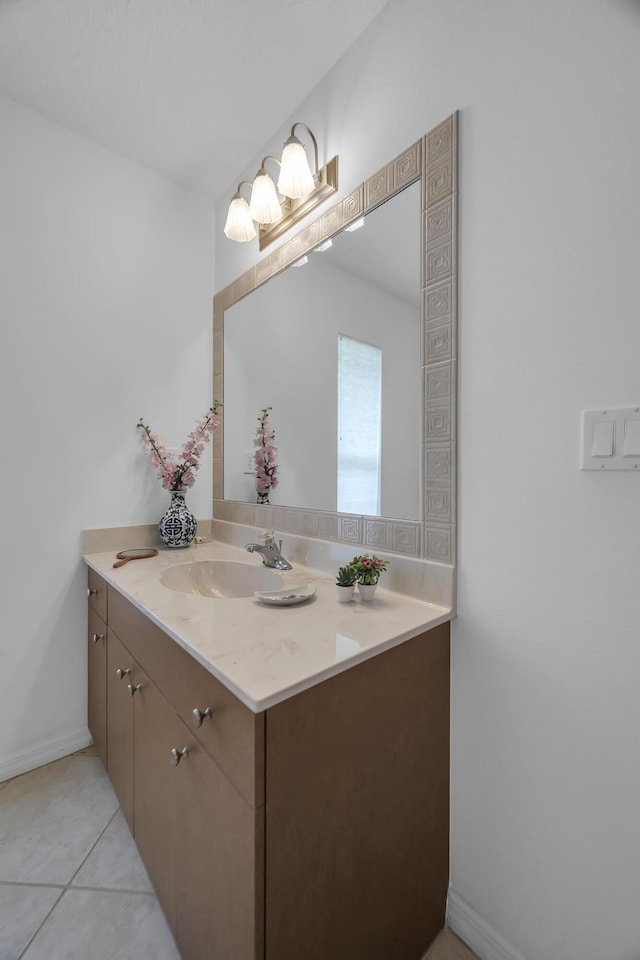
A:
[190,88]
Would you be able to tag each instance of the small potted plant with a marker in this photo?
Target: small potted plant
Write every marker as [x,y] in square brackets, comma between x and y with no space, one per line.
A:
[368,570]
[345,584]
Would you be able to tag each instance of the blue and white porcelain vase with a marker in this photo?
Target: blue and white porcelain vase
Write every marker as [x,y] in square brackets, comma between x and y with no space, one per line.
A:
[177,526]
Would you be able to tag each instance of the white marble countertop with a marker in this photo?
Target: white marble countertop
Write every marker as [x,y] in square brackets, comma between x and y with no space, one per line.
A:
[266,654]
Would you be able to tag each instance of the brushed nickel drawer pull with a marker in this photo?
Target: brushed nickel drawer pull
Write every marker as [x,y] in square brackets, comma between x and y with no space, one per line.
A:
[133,689]
[97,636]
[120,673]
[91,593]
[177,755]
[199,715]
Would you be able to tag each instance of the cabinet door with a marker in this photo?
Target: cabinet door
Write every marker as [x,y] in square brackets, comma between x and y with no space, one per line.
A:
[97,594]
[97,692]
[357,828]
[219,863]
[120,673]
[157,732]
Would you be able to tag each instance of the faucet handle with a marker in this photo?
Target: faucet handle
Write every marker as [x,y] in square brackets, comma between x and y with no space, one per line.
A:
[267,537]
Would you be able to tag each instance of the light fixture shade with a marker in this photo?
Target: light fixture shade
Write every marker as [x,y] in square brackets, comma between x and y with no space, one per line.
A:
[295,180]
[264,206]
[239,225]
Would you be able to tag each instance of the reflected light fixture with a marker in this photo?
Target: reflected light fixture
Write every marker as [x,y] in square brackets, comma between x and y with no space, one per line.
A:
[355,226]
[239,225]
[299,191]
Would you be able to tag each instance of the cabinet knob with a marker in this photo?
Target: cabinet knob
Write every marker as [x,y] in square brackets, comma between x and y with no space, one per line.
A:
[199,715]
[91,593]
[120,673]
[177,755]
[133,688]
[97,636]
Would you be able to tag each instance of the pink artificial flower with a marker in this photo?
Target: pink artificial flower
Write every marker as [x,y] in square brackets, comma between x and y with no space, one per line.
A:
[178,476]
[265,455]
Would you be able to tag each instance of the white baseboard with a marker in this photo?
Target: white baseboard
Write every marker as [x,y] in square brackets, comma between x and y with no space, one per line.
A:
[478,935]
[45,752]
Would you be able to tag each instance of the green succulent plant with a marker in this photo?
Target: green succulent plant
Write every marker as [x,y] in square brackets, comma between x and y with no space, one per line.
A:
[346,577]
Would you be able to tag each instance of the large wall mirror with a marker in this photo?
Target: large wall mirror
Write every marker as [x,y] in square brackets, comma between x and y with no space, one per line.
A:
[352,344]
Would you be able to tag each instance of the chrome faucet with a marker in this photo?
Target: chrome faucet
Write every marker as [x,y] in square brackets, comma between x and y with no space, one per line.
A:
[269,550]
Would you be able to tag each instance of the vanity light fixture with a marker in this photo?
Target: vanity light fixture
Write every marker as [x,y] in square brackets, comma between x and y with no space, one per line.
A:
[301,262]
[264,205]
[239,225]
[355,226]
[324,246]
[296,178]
[299,191]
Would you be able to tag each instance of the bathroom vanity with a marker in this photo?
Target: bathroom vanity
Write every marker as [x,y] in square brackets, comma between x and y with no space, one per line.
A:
[284,771]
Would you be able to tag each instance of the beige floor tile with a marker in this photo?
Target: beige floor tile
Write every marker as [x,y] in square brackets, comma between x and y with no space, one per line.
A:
[51,817]
[97,925]
[90,751]
[114,861]
[449,947]
[22,910]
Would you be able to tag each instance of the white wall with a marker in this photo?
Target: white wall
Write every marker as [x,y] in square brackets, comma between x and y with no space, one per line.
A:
[301,313]
[106,279]
[546,658]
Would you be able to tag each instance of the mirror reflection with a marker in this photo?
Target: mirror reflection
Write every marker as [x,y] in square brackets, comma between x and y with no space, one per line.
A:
[332,345]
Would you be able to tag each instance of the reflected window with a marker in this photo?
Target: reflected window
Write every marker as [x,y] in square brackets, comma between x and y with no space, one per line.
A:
[359,426]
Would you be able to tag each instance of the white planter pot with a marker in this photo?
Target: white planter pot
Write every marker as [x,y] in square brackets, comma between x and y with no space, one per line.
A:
[367,590]
[345,594]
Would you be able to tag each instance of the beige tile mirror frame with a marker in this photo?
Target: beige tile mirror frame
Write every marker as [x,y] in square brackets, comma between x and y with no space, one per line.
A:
[433,161]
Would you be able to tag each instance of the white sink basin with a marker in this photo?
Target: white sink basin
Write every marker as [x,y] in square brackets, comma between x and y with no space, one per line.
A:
[220,579]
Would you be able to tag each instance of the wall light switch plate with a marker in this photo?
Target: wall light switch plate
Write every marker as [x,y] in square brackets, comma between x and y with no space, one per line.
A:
[249,463]
[611,439]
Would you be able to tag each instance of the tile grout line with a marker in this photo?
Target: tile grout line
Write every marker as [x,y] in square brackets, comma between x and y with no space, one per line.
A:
[66,887]
[100,836]
[130,893]
[41,925]
[27,883]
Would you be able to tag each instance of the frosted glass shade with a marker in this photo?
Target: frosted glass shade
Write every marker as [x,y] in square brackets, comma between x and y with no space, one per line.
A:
[239,225]
[264,206]
[295,180]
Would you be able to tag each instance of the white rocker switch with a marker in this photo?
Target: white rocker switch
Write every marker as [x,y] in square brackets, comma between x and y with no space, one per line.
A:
[631,445]
[602,438]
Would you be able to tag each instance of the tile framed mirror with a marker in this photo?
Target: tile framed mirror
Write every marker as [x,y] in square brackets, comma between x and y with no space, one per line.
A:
[353,345]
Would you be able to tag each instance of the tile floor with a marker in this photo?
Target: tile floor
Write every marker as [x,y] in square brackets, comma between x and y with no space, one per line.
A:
[72,886]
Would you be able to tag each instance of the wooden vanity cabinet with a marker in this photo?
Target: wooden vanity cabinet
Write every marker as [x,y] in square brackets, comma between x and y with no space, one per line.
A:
[316,829]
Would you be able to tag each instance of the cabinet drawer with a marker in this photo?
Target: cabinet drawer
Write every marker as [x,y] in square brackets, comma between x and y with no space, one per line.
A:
[232,735]
[97,593]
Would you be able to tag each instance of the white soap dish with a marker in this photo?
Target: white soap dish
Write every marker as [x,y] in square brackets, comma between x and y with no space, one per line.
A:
[286,598]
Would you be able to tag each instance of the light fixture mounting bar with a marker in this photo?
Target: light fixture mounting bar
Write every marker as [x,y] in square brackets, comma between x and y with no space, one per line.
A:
[294,210]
